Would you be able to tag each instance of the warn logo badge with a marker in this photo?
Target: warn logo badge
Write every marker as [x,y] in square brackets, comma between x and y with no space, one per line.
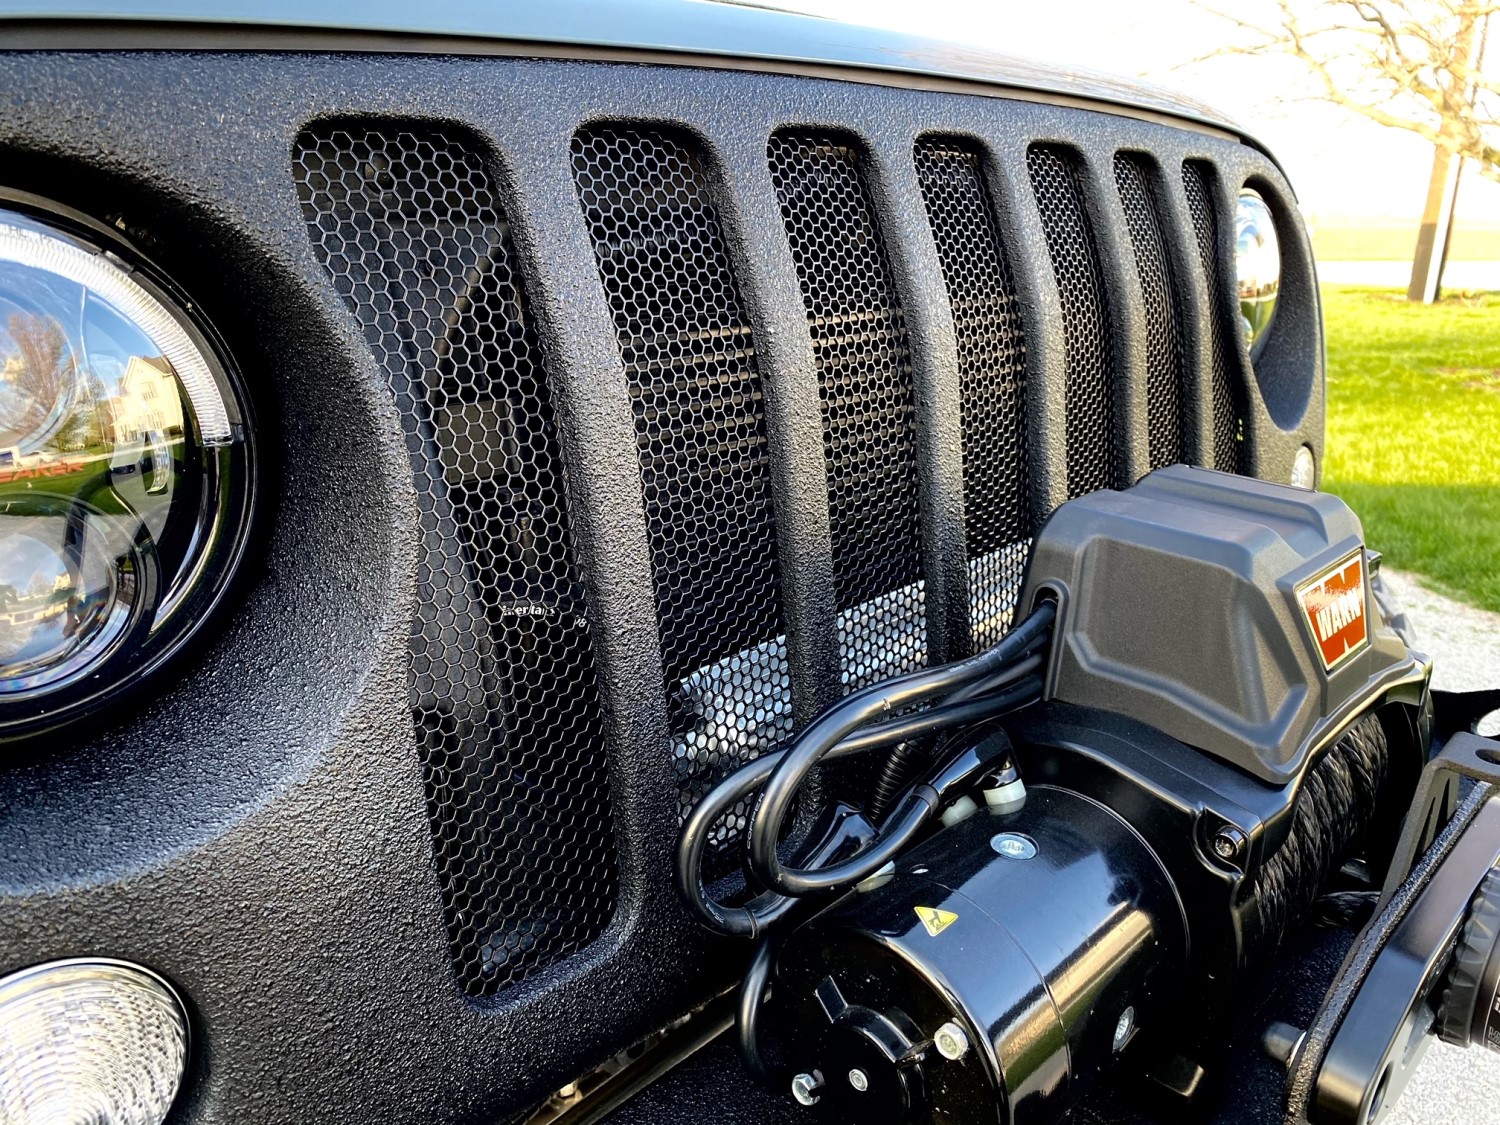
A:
[1334,604]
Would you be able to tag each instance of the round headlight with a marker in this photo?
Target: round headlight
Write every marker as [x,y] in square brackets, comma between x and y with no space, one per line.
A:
[124,473]
[89,1040]
[1257,267]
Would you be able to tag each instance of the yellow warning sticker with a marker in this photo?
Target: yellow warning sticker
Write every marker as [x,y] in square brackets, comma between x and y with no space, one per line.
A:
[936,920]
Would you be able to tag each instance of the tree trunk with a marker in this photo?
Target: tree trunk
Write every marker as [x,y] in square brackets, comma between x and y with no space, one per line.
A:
[1442,189]
[1437,227]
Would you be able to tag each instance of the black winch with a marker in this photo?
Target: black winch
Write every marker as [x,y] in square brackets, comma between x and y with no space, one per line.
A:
[1118,810]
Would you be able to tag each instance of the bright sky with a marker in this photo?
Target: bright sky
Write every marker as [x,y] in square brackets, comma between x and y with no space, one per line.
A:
[1342,166]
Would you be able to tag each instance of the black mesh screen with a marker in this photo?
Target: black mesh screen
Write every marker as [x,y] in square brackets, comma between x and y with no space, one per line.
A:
[503,686]
[701,439]
[1165,374]
[864,367]
[992,381]
[1228,400]
[1058,184]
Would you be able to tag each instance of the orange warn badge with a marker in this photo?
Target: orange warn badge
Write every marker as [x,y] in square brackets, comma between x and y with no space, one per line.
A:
[1334,604]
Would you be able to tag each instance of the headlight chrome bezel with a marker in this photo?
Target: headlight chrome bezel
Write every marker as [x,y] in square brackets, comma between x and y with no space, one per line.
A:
[209,529]
[1257,268]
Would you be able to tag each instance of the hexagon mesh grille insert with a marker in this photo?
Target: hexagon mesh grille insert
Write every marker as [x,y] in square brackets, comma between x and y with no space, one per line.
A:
[864,368]
[701,441]
[1228,401]
[1166,394]
[504,693]
[1089,394]
[992,381]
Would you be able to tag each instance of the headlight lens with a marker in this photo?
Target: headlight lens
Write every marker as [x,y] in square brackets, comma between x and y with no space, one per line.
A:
[1257,267]
[99,1041]
[124,473]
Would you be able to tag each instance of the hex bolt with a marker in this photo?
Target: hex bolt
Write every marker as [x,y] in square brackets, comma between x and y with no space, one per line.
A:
[858,1080]
[1229,842]
[951,1041]
[805,1087]
[1124,1026]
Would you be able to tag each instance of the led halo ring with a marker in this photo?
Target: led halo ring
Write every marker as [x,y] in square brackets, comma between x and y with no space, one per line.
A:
[90,1035]
[28,246]
[124,437]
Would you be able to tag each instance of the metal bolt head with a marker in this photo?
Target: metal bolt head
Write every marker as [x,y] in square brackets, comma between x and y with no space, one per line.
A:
[1124,1026]
[1013,845]
[858,1080]
[805,1087]
[1229,841]
[951,1041]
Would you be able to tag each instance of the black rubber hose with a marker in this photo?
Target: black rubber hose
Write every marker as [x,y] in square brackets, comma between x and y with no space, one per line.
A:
[943,717]
[752,919]
[905,757]
[754,994]
[842,720]
[1031,659]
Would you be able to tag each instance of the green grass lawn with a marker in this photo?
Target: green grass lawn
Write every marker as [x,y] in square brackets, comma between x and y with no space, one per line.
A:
[1414,432]
[1376,241]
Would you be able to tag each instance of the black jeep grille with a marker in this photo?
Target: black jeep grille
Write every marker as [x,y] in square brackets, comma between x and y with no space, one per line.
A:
[1093,448]
[1199,182]
[757,609]
[701,442]
[864,369]
[992,381]
[1166,375]
[503,690]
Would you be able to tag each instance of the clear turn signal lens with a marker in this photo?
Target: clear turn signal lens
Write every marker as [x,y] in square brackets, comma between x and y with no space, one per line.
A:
[1304,469]
[96,1041]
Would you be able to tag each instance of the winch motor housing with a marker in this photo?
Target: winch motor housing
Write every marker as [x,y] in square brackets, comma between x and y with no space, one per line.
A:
[1226,722]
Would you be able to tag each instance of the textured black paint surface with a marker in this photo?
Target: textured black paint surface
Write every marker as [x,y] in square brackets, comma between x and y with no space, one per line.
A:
[258,831]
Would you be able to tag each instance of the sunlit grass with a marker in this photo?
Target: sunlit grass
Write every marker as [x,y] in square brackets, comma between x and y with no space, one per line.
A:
[1375,241]
[1414,432]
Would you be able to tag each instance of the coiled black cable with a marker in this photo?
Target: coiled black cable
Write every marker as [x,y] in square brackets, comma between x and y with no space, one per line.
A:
[842,720]
[999,680]
[905,758]
[1338,798]
[754,994]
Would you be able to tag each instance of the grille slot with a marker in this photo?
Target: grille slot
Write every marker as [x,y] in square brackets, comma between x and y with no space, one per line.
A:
[864,367]
[1093,461]
[504,693]
[1166,392]
[992,381]
[1228,400]
[701,440]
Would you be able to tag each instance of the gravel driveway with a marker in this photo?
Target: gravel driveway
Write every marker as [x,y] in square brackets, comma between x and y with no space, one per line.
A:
[1452,1085]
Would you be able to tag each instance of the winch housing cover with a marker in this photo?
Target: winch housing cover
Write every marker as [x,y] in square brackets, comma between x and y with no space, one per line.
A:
[1231,613]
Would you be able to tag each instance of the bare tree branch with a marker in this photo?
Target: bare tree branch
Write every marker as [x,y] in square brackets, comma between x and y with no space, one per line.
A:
[1406,64]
